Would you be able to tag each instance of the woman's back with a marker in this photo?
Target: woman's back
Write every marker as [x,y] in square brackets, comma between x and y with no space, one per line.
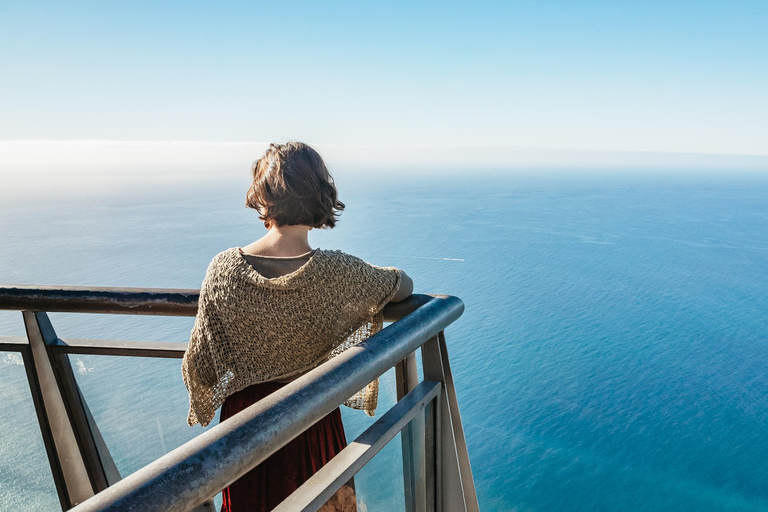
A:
[251,329]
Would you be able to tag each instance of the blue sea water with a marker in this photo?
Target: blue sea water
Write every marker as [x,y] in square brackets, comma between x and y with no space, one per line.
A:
[613,354]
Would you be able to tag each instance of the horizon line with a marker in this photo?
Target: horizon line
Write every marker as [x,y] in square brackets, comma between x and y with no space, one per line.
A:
[181,142]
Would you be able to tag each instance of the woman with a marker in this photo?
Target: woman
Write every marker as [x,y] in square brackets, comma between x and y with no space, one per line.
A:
[276,308]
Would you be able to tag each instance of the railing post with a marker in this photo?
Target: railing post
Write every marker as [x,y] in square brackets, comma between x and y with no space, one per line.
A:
[79,458]
[462,452]
[412,439]
[454,486]
[67,464]
[432,454]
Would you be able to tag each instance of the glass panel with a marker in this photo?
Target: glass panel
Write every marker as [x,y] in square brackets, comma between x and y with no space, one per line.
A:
[12,324]
[414,451]
[26,482]
[377,486]
[139,405]
[355,422]
[122,327]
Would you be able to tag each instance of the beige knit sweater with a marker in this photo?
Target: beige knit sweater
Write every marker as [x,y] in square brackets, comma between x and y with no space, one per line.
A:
[250,329]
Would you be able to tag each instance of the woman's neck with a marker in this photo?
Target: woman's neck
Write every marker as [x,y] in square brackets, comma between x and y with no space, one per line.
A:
[281,241]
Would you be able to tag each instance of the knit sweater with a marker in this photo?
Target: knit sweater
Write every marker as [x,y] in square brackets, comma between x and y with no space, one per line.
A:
[250,329]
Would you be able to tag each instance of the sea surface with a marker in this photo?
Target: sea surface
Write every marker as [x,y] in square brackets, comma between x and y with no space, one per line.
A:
[613,355]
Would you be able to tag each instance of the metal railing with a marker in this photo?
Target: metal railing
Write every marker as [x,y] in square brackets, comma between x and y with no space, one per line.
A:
[436,469]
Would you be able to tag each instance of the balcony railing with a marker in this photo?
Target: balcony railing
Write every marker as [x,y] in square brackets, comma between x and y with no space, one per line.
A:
[436,469]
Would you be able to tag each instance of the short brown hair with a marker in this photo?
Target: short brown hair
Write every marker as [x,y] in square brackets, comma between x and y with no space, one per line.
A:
[292,186]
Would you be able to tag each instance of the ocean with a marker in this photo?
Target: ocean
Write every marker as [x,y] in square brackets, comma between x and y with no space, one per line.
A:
[613,355]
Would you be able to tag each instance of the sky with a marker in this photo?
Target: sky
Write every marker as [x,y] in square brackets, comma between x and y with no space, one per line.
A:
[519,77]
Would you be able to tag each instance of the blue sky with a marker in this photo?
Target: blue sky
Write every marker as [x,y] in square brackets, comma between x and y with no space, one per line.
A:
[606,76]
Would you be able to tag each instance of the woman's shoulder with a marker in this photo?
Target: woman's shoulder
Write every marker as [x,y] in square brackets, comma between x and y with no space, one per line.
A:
[337,254]
[221,259]
[220,265]
[341,258]
[354,263]
[365,282]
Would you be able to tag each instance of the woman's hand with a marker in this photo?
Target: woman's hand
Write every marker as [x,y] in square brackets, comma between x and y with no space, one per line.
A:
[405,289]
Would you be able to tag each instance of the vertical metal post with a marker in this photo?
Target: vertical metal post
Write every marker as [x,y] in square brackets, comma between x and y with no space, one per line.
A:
[438,453]
[80,460]
[42,419]
[432,454]
[412,439]
[467,479]
[69,472]
[452,484]
[407,375]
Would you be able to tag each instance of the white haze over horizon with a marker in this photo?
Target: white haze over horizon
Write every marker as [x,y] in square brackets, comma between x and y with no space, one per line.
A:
[45,165]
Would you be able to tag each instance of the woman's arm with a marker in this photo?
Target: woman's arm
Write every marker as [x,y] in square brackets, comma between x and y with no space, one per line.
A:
[405,289]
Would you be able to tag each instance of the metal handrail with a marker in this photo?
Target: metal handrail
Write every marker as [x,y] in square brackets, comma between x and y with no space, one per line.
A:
[134,301]
[189,475]
[200,468]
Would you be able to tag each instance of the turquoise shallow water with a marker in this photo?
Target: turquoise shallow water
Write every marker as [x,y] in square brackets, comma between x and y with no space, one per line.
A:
[612,355]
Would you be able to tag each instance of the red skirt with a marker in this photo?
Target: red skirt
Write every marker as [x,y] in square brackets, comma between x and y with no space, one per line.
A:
[269,483]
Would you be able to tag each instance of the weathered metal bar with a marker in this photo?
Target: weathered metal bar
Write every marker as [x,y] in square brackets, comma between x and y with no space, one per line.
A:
[313,493]
[13,343]
[396,310]
[438,460]
[192,473]
[42,420]
[172,350]
[406,378]
[135,301]
[412,440]
[69,470]
[81,299]
[406,375]
[451,497]
[467,479]
[430,446]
